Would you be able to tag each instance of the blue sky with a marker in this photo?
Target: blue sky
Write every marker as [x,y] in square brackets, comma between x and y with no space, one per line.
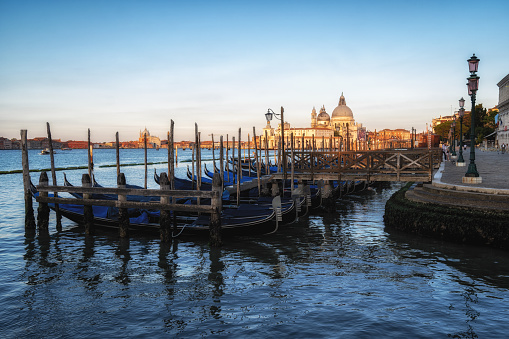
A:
[123,65]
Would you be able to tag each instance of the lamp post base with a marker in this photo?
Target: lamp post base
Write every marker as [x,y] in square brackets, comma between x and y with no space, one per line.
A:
[472,180]
[461,164]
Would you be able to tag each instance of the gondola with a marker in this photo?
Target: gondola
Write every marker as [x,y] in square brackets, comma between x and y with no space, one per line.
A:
[243,220]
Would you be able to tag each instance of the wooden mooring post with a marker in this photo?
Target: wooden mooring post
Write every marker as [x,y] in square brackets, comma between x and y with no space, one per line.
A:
[88,212]
[43,209]
[165,215]
[90,156]
[29,209]
[215,216]
[54,177]
[123,215]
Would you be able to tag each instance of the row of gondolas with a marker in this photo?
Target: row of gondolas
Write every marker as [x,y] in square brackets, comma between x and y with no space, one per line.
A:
[254,214]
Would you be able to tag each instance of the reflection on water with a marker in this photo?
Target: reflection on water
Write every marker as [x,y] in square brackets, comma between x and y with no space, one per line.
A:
[328,275]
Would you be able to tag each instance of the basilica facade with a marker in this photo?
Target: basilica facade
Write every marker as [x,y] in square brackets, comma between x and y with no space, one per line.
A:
[339,131]
[152,141]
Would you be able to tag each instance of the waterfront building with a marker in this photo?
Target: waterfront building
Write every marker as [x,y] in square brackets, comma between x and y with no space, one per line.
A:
[341,128]
[152,141]
[440,120]
[503,111]
[5,143]
[75,144]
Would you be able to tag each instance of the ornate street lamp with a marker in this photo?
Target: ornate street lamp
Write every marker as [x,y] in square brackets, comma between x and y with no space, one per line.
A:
[270,113]
[473,85]
[461,161]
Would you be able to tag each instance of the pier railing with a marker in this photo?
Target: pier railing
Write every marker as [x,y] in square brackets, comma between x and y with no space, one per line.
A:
[379,165]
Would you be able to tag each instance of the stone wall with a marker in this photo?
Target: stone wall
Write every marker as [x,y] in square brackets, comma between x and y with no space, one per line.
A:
[478,227]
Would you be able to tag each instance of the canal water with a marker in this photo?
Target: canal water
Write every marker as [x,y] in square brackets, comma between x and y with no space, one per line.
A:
[329,275]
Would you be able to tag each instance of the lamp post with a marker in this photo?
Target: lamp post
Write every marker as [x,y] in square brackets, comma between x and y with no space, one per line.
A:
[473,85]
[461,161]
[270,113]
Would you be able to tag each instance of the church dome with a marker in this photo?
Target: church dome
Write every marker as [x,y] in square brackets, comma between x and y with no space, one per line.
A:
[323,116]
[342,111]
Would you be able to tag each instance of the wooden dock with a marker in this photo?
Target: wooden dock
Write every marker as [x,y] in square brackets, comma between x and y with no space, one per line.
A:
[378,165]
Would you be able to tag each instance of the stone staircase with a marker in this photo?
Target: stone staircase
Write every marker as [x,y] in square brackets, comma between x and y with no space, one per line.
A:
[429,194]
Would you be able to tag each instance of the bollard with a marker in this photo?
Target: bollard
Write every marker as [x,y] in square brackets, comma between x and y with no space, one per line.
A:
[43,209]
[215,217]
[164,219]
[88,212]
[123,216]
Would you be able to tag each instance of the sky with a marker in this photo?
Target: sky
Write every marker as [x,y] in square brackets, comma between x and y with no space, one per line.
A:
[125,65]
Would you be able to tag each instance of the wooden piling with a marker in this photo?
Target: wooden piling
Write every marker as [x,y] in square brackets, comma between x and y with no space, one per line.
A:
[275,188]
[90,156]
[88,212]
[123,216]
[248,151]
[234,171]
[146,160]
[257,161]
[213,154]
[221,162]
[267,170]
[327,197]
[117,153]
[198,160]
[293,164]
[226,159]
[283,145]
[29,209]
[193,149]
[165,215]
[43,209]
[171,156]
[215,217]
[54,177]
[239,171]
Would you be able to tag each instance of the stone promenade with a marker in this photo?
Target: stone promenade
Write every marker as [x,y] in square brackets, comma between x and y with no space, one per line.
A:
[493,167]
[448,189]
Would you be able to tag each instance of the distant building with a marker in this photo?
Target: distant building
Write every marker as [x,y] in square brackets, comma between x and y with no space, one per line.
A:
[503,111]
[440,120]
[77,144]
[152,141]
[340,129]
[5,143]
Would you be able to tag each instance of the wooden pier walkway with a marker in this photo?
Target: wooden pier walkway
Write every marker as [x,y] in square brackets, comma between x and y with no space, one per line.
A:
[378,165]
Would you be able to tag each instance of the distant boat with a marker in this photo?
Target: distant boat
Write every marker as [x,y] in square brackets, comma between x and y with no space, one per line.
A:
[66,149]
[46,151]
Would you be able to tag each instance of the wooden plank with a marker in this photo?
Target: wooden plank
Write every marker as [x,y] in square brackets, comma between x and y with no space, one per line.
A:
[128,191]
[128,204]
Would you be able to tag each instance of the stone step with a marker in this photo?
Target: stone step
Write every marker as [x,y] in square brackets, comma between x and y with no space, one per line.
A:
[434,196]
[465,194]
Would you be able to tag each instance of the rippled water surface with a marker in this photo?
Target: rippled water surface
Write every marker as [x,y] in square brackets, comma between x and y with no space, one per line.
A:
[329,275]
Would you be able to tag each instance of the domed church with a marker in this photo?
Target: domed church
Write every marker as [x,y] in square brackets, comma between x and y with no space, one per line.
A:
[341,126]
